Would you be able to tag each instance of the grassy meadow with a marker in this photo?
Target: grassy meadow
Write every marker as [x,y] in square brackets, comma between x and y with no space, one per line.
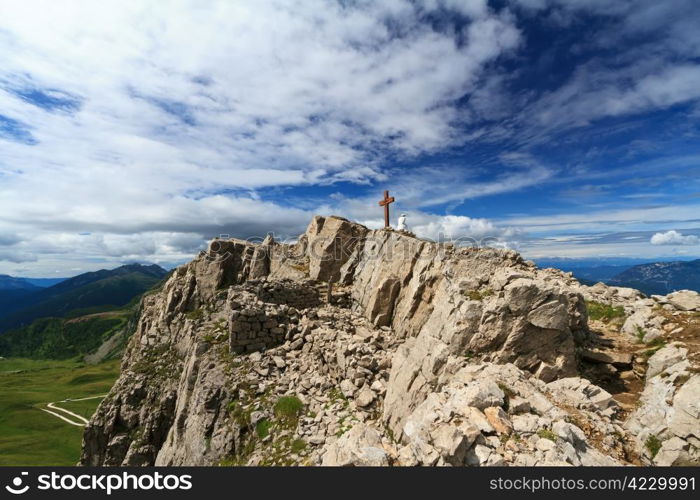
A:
[29,436]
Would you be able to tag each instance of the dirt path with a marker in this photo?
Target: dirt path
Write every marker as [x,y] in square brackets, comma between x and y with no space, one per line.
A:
[71,418]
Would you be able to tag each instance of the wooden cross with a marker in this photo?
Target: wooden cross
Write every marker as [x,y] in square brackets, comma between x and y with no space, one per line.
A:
[385,203]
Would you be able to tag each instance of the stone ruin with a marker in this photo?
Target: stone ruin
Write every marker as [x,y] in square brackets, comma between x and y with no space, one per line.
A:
[265,313]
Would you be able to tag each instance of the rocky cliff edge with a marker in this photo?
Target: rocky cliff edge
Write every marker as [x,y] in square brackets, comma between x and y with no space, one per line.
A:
[373,347]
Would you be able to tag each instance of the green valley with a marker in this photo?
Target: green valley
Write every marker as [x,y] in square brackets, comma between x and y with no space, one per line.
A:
[30,436]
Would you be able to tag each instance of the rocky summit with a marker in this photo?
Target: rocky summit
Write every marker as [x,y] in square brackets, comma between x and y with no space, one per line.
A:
[374,347]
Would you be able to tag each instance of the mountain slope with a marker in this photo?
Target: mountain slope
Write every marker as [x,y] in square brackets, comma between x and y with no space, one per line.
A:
[660,278]
[44,282]
[90,292]
[59,338]
[11,300]
[12,283]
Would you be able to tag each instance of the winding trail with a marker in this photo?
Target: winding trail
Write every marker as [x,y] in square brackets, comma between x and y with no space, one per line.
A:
[74,419]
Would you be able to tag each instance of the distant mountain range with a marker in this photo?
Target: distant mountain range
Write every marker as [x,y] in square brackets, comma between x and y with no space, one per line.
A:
[12,283]
[86,293]
[655,278]
[660,278]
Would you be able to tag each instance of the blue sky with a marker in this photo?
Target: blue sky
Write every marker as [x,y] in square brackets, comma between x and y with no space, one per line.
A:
[136,130]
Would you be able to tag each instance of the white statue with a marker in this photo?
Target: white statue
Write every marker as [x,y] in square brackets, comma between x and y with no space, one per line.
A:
[402,223]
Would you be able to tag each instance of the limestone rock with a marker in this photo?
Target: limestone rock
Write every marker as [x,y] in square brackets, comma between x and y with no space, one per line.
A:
[330,245]
[498,419]
[424,354]
[665,358]
[361,446]
[685,300]
[643,323]
[619,360]
[669,411]
[365,397]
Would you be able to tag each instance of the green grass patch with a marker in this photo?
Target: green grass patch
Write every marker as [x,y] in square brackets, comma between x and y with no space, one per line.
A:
[288,409]
[262,428]
[298,445]
[29,436]
[547,434]
[653,444]
[604,312]
[84,408]
[478,294]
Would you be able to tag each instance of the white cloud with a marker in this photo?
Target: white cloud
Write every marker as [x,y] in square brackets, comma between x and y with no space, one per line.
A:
[674,238]
[594,93]
[180,112]
[605,220]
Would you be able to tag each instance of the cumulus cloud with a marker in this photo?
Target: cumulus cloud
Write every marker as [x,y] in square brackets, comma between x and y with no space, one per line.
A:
[154,127]
[466,230]
[674,238]
[139,118]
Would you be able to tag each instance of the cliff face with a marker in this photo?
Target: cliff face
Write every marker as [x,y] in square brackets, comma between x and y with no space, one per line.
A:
[247,356]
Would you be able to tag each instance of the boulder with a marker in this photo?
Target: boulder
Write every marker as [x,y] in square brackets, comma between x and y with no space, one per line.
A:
[364,397]
[668,409]
[330,243]
[581,393]
[684,300]
[665,358]
[361,446]
[643,324]
[498,419]
[617,359]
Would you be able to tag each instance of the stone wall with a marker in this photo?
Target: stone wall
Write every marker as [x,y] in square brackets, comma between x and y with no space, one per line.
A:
[299,295]
[255,328]
[263,313]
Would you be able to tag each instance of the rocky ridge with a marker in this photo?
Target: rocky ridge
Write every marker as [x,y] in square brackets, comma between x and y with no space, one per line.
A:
[416,353]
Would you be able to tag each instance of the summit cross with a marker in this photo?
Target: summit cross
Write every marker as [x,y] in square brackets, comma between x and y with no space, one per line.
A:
[385,203]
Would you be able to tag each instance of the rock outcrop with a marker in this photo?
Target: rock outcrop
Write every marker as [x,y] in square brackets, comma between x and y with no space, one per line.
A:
[667,422]
[362,347]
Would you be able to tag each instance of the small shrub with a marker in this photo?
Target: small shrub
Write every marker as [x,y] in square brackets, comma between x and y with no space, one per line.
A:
[547,434]
[298,445]
[604,312]
[288,408]
[641,333]
[653,444]
[262,428]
